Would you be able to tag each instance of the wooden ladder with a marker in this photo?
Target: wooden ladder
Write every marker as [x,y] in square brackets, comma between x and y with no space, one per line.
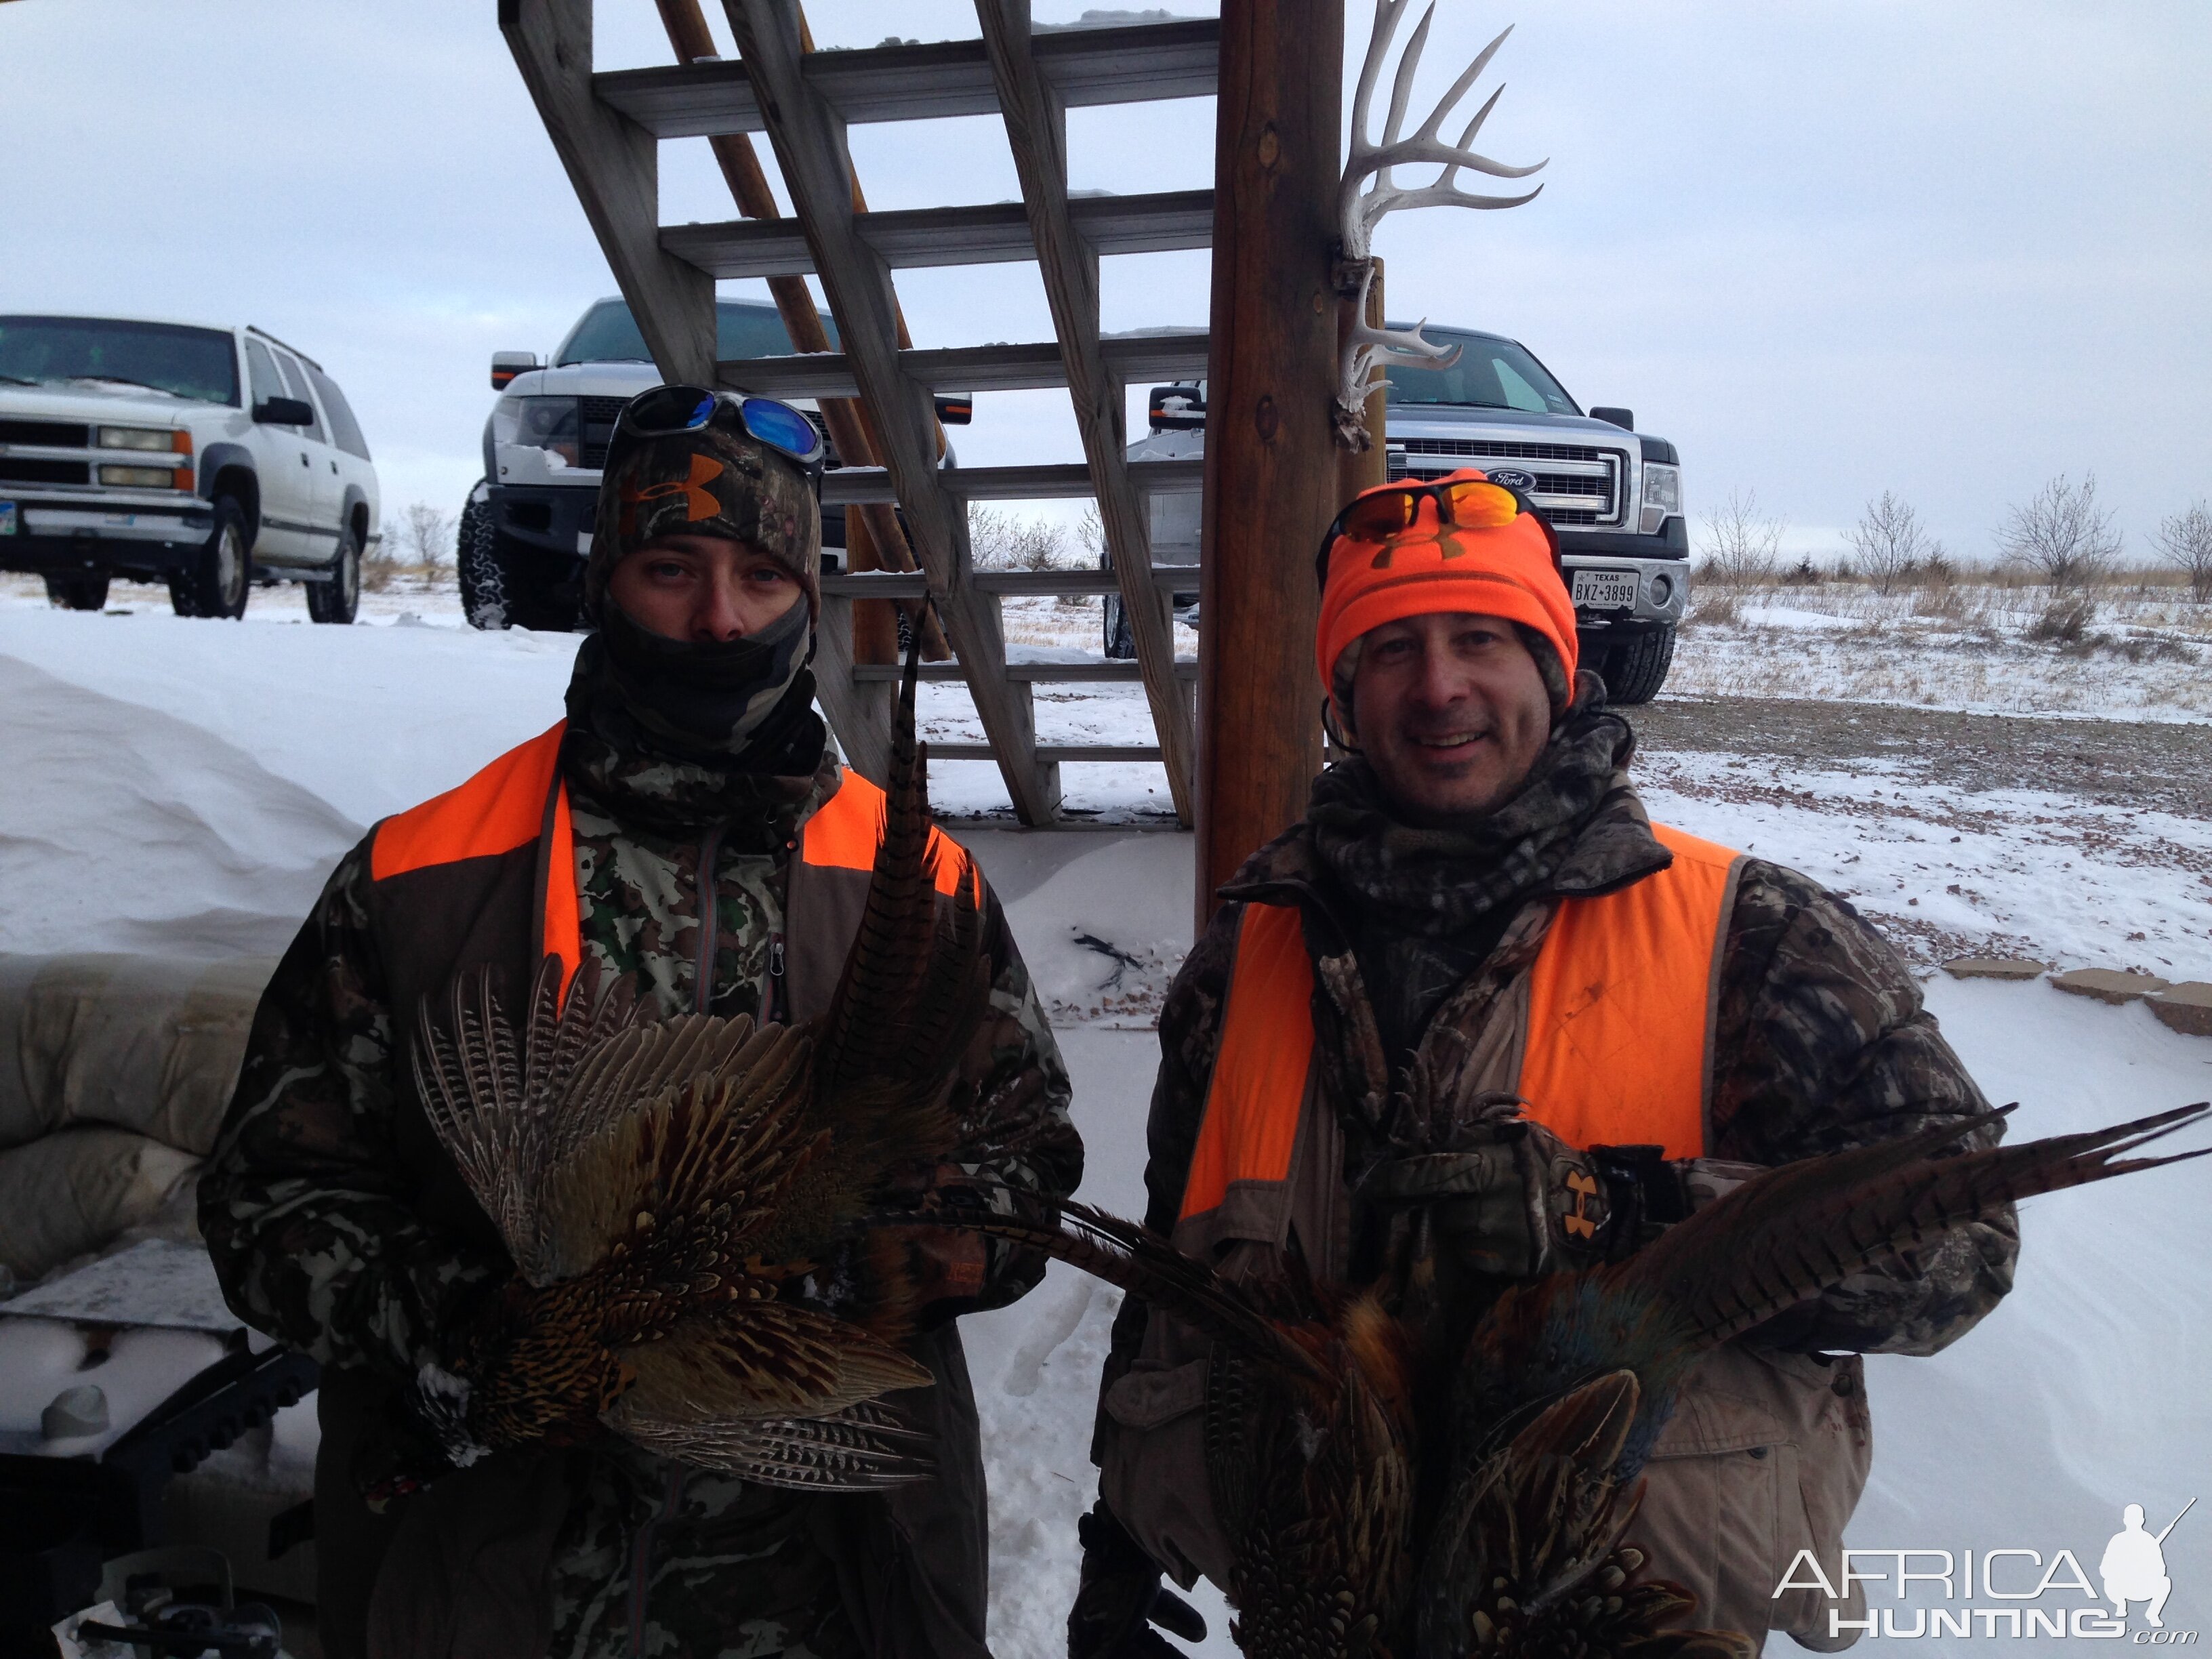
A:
[606,127]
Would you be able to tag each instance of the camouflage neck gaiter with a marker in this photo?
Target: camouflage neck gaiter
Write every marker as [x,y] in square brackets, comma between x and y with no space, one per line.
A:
[674,738]
[702,701]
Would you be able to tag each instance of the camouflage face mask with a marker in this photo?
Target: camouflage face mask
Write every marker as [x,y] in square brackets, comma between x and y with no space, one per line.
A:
[694,699]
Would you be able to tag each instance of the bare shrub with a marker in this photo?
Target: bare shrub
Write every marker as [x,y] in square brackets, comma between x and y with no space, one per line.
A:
[1090,545]
[2065,621]
[1890,542]
[421,542]
[1742,546]
[2184,541]
[1721,608]
[1940,600]
[1936,569]
[1002,541]
[2062,536]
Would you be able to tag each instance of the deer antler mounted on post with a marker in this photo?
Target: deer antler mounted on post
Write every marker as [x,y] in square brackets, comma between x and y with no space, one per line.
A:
[1369,191]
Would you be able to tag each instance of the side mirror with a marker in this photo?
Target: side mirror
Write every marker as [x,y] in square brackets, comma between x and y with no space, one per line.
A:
[505,365]
[1623,418]
[956,408]
[283,411]
[1179,408]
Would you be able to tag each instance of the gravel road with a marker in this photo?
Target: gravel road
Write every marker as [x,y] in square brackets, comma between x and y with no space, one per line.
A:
[2163,766]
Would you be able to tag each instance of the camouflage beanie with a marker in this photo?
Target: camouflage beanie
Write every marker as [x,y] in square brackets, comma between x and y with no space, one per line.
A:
[712,481]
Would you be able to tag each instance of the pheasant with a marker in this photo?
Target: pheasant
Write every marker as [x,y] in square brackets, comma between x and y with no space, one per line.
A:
[1388,1493]
[684,1201]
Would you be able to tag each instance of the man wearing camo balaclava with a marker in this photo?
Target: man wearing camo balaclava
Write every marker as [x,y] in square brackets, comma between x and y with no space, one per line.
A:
[718,856]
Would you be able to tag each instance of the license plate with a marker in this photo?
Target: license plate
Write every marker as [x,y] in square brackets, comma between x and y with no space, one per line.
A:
[1604,590]
[7,517]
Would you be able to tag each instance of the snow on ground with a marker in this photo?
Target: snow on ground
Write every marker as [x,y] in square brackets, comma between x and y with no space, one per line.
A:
[2143,654]
[184,786]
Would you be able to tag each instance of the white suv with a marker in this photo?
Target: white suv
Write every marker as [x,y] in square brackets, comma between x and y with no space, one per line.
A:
[209,457]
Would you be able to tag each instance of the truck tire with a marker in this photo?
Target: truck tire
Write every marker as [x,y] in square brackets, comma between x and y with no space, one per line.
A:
[1120,647]
[1636,667]
[501,583]
[338,599]
[78,590]
[222,575]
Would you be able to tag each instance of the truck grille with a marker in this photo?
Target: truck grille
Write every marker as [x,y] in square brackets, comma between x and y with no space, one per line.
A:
[52,434]
[1500,448]
[22,468]
[1575,483]
[598,415]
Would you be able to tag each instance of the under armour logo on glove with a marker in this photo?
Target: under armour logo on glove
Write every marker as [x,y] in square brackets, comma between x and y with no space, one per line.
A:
[1585,1214]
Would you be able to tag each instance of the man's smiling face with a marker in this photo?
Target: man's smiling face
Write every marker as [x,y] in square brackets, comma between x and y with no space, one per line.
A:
[1451,711]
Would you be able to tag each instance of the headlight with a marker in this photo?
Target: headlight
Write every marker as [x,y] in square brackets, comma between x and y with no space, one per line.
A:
[1662,495]
[548,423]
[136,437]
[143,478]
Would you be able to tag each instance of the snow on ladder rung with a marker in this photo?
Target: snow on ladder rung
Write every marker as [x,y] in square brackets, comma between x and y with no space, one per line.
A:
[1136,63]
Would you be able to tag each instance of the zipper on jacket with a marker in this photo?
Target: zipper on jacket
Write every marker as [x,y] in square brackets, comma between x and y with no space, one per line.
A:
[710,919]
[776,995]
[640,1559]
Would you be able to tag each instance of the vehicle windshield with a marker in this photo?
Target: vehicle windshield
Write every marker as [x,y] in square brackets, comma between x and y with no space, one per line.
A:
[200,364]
[1490,373]
[743,328]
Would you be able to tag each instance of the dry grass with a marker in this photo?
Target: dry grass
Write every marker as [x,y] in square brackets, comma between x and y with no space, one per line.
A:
[2134,647]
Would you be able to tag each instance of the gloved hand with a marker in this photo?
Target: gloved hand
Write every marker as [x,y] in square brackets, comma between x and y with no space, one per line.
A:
[1513,1200]
[1121,1598]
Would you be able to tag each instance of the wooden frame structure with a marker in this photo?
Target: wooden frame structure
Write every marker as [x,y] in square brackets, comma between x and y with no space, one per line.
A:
[606,127]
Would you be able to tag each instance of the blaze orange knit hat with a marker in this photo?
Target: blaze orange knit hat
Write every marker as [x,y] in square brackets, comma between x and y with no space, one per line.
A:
[1409,548]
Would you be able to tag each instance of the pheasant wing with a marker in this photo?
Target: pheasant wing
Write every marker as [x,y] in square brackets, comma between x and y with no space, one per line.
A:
[682,1181]
[757,1360]
[490,1094]
[864,1447]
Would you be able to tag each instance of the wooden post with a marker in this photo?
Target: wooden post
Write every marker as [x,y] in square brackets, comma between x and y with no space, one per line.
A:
[1271,457]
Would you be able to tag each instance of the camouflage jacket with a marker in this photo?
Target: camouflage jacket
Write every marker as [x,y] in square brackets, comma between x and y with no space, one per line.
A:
[319,1237]
[1821,1042]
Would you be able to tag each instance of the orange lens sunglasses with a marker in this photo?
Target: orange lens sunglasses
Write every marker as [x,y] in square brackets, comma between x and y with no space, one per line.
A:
[1468,503]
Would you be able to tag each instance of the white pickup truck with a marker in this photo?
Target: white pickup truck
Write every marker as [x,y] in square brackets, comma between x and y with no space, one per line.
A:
[207,458]
[1614,495]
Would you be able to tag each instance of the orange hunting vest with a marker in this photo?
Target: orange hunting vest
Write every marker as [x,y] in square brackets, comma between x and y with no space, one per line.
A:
[1620,1019]
[519,797]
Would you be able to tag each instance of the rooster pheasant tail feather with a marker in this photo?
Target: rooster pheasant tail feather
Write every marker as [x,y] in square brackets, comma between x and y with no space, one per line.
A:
[912,990]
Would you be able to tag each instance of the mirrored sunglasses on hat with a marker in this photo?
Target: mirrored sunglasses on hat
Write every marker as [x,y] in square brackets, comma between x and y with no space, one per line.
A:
[1375,515]
[666,411]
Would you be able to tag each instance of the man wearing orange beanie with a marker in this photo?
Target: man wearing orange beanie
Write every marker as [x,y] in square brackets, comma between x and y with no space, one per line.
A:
[1478,1004]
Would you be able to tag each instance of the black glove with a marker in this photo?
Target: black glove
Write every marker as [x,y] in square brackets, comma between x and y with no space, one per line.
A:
[1121,1598]
[1513,1200]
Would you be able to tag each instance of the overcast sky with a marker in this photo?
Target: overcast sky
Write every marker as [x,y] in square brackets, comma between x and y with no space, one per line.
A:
[1828,248]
